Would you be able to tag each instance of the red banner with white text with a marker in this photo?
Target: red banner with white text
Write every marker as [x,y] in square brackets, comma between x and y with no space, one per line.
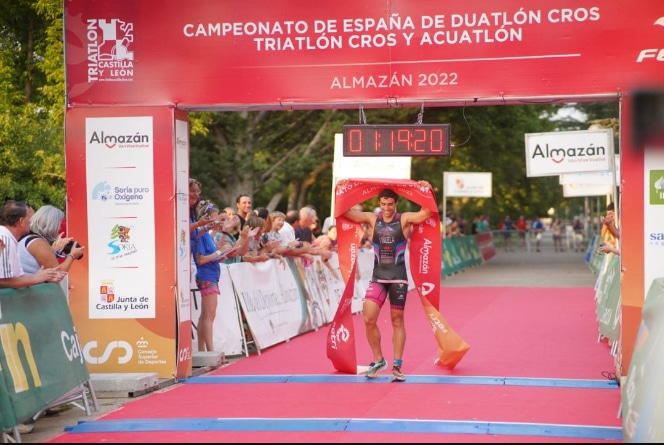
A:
[286,53]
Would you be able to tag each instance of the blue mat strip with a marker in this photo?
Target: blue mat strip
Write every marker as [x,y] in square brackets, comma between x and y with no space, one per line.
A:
[350,425]
[322,378]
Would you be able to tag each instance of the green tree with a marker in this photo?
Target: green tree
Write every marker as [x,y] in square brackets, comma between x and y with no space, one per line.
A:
[31,103]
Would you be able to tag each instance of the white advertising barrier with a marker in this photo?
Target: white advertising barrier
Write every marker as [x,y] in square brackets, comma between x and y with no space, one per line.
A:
[580,190]
[555,153]
[469,184]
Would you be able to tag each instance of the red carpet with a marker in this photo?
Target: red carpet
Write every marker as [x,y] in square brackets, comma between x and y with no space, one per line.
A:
[513,332]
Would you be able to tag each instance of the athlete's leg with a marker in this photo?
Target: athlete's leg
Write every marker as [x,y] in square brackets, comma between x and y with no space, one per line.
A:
[399,334]
[370,311]
[398,292]
[373,301]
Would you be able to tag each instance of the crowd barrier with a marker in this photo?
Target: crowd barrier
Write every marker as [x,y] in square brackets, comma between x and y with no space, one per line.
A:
[40,356]
[642,400]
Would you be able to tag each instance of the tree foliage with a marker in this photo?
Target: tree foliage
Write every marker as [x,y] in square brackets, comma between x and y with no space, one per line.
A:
[32,102]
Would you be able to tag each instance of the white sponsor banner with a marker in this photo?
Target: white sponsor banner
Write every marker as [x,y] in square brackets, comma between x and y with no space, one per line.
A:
[580,190]
[592,178]
[596,178]
[121,240]
[271,301]
[345,167]
[653,209]
[555,153]
[467,184]
[226,331]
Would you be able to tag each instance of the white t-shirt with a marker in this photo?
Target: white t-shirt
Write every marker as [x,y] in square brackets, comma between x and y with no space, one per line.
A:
[10,263]
[287,234]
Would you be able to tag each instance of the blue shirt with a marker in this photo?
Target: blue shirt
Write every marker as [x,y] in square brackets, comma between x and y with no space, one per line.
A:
[209,271]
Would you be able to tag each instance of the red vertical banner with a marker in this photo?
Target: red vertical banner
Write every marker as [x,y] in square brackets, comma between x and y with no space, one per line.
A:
[341,335]
[121,206]
[425,253]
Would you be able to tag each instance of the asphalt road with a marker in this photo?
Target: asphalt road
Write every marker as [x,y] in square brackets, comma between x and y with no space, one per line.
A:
[523,268]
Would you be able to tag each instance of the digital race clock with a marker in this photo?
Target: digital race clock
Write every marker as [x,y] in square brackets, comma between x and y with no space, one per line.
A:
[397,140]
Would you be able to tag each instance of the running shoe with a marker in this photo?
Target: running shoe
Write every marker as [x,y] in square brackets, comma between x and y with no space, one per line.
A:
[397,374]
[375,368]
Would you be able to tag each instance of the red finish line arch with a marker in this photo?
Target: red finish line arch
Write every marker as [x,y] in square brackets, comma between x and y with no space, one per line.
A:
[134,69]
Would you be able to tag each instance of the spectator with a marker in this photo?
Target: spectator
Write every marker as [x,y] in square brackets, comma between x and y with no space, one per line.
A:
[327,240]
[522,229]
[609,231]
[508,228]
[303,230]
[577,227]
[327,243]
[226,235]
[263,212]
[538,229]
[304,234]
[557,231]
[271,241]
[483,224]
[479,225]
[290,248]
[43,244]
[208,272]
[287,231]
[315,227]
[232,236]
[277,222]
[15,219]
[194,202]
[243,208]
[389,278]
[229,211]
[257,252]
